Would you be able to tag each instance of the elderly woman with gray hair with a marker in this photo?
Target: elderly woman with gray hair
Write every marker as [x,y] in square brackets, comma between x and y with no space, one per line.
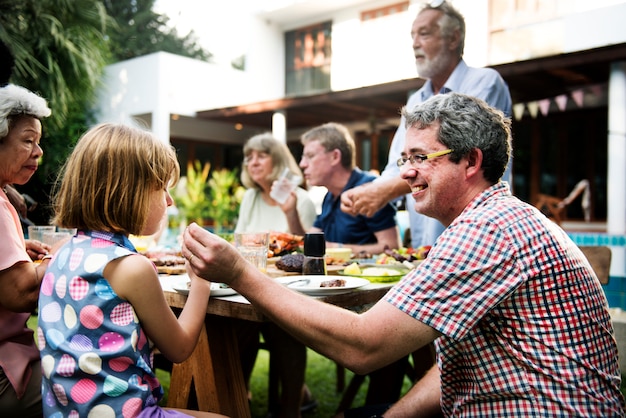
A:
[23,262]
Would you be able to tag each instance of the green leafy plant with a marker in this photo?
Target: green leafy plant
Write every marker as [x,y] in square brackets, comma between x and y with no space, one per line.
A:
[190,195]
[225,195]
[201,198]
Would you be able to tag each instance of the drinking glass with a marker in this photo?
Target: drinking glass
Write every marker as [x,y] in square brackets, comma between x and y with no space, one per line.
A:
[35,232]
[52,237]
[286,183]
[71,231]
[253,247]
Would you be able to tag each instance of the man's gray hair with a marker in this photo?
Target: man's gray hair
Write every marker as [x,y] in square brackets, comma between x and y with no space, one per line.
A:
[466,123]
[16,100]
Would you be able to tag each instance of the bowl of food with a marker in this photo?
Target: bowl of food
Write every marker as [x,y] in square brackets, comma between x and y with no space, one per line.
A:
[376,273]
[338,255]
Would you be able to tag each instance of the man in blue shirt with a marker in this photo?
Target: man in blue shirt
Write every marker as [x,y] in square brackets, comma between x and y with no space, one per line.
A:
[328,160]
[438,35]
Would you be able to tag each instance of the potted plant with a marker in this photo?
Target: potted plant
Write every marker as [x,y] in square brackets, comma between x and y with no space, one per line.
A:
[225,195]
[203,199]
[190,195]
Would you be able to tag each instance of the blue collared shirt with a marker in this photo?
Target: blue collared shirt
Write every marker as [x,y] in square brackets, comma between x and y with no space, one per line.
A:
[341,227]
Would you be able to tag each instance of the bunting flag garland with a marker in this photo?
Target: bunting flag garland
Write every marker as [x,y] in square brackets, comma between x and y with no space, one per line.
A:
[533,108]
[544,106]
[561,101]
[578,96]
[518,110]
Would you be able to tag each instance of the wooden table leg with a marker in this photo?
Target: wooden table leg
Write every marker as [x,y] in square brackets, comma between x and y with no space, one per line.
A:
[215,370]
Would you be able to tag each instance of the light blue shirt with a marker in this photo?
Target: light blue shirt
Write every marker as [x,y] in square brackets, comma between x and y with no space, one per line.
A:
[484,83]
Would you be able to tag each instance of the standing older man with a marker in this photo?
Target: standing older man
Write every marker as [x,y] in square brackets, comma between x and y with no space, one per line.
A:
[518,317]
[438,35]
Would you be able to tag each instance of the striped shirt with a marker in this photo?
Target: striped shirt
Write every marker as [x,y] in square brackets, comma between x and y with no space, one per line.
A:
[525,323]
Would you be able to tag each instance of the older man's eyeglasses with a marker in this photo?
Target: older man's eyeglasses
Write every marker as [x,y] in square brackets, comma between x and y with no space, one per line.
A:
[418,159]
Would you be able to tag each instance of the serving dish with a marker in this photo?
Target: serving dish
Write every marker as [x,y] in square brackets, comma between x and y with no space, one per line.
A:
[378,273]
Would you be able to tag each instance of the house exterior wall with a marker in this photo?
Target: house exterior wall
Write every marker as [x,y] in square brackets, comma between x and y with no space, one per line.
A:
[152,88]
[552,27]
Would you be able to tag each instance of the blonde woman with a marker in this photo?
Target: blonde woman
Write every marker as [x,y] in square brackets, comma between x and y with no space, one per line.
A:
[265,158]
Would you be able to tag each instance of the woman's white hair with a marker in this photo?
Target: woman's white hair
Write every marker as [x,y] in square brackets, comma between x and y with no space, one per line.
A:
[16,100]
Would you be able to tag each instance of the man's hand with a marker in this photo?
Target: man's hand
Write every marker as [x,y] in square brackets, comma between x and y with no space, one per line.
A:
[211,257]
[369,198]
[362,200]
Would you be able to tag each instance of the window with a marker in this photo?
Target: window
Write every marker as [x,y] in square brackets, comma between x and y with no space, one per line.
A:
[385,11]
[308,58]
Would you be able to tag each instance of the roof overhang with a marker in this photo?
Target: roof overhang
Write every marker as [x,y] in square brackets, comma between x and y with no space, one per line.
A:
[529,80]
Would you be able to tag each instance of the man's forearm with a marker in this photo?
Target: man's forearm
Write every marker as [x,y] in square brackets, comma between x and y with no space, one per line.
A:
[422,400]
[392,188]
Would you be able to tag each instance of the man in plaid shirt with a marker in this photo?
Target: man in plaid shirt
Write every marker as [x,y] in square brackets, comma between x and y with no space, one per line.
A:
[519,319]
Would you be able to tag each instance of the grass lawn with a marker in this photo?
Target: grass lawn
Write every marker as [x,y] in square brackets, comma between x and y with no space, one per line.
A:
[320,377]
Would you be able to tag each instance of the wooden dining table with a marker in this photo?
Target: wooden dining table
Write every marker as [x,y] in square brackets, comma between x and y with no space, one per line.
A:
[212,375]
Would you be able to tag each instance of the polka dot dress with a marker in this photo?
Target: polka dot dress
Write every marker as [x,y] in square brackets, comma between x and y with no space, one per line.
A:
[95,357]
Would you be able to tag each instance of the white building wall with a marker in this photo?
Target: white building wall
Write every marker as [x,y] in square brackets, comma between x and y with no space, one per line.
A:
[150,89]
[569,26]
[265,62]
[134,86]
[588,29]
[371,52]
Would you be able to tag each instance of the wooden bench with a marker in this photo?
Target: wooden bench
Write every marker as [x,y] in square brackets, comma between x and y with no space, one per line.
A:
[600,259]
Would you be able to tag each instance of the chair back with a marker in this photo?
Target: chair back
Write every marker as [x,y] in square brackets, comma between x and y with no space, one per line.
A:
[600,260]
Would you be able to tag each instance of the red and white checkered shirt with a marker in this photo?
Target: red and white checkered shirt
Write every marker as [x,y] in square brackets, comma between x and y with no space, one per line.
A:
[525,323]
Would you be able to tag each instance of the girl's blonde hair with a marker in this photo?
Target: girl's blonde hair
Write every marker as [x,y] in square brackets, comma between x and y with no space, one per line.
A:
[105,184]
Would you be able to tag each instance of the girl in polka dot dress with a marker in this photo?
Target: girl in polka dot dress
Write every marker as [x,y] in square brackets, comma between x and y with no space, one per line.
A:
[101,306]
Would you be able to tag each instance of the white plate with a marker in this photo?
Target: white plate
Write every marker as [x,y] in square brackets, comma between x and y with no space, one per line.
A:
[312,287]
[217,289]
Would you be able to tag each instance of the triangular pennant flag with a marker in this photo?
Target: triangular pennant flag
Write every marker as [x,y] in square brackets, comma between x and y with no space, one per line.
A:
[544,106]
[578,96]
[596,89]
[518,110]
[533,108]
[561,102]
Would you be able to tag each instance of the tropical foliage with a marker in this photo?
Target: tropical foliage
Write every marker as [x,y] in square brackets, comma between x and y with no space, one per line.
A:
[201,198]
[59,48]
[190,195]
[138,31]
[225,194]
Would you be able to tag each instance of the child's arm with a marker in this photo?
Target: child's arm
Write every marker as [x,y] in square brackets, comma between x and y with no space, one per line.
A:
[134,278]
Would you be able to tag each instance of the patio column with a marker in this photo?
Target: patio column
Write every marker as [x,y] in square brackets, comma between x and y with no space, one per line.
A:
[279,125]
[161,124]
[616,175]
